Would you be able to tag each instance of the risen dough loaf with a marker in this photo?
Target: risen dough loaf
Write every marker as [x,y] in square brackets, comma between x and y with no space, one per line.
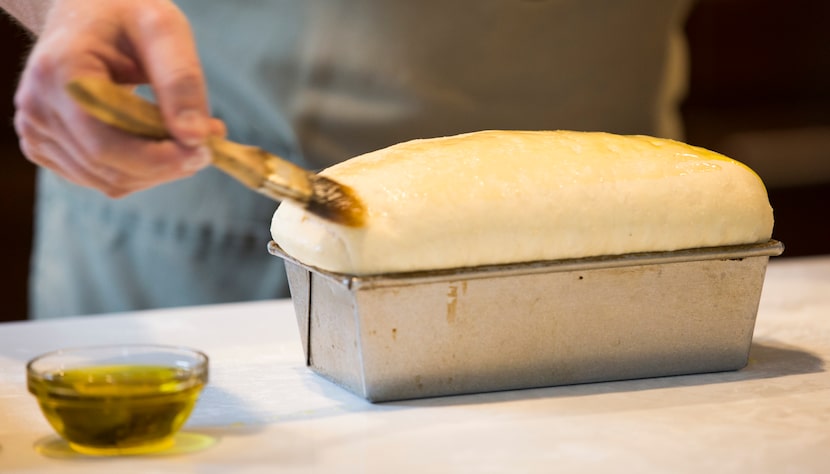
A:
[507,196]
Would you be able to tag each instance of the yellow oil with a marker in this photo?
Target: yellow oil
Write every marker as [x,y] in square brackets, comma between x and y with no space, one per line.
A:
[118,409]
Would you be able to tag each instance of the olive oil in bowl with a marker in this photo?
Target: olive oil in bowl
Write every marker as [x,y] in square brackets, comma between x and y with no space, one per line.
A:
[118,400]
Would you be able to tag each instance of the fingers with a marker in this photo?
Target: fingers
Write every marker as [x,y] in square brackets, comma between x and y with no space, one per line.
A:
[55,133]
[55,155]
[165,45]
[114,164]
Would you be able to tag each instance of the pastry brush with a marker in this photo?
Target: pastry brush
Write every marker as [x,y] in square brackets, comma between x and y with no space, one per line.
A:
[257,169]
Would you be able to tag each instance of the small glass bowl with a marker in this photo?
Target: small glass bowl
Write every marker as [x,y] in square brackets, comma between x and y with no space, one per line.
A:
[118,400]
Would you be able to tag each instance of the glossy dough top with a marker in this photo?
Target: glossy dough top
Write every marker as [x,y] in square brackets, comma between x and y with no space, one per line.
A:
[497,197]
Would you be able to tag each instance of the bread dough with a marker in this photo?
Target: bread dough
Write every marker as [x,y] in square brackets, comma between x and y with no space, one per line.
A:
[495,197]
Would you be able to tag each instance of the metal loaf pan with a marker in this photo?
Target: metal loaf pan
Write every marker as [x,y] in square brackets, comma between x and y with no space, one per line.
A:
[425,334]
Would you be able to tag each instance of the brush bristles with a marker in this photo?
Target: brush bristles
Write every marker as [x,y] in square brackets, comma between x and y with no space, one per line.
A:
[335,202]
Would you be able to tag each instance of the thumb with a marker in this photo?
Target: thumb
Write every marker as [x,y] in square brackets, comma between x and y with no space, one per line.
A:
[167,51]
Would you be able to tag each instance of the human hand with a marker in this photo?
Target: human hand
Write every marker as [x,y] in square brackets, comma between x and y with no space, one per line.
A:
[130,43]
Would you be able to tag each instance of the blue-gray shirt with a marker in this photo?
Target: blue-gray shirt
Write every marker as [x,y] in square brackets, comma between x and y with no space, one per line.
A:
[319,81]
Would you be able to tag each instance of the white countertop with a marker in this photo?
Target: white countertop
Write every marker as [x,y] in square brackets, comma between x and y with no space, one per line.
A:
[266,412]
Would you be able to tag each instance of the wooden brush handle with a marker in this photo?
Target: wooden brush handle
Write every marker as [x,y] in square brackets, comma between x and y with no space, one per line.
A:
[117,106]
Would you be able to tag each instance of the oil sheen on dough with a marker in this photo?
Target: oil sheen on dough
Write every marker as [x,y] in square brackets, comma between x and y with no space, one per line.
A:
[497,197]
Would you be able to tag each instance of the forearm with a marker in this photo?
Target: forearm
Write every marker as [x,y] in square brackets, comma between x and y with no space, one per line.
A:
[30,13]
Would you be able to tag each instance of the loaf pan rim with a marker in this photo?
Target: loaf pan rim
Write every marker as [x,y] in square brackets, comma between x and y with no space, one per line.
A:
[770,248]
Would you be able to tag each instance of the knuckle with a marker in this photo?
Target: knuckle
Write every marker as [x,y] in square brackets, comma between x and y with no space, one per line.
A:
[163,19]
[38,83]
[23,126]
[22,99]
[184,82]
[26,97]
[44,66]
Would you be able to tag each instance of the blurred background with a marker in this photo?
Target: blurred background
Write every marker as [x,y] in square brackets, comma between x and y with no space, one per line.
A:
[759,93]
